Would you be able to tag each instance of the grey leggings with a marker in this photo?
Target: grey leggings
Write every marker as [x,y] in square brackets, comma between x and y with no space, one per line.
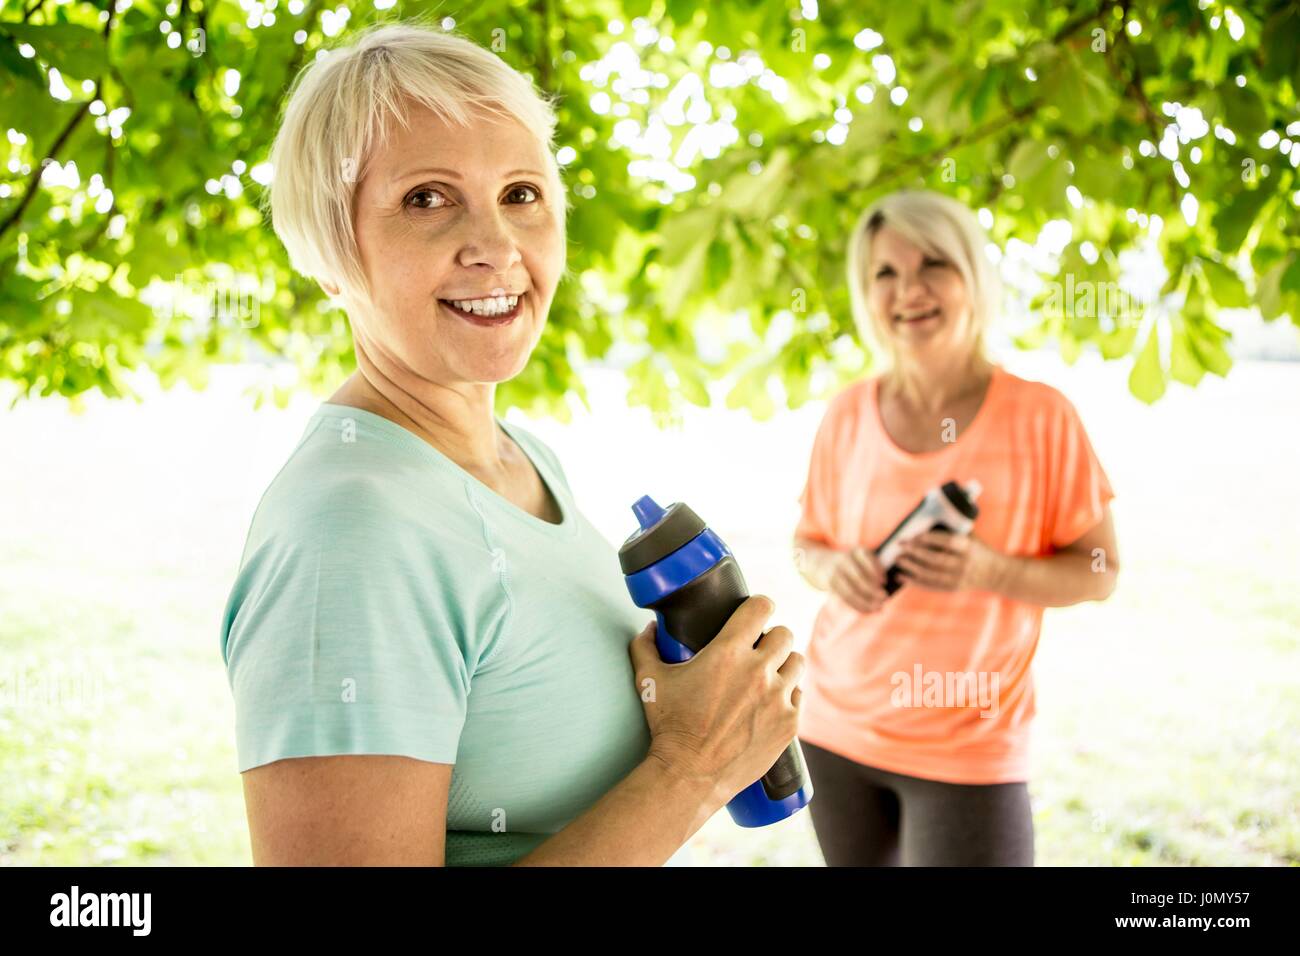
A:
[869,817]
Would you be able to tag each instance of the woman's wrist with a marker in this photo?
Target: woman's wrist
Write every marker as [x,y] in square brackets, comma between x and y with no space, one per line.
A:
[642,821]
[992,571]
[684,785]
[817,563]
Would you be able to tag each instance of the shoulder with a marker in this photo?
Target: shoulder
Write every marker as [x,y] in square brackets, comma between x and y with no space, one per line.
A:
[1043,419]
[1035,401]
[374,540]
[847,406]
[348,489]
[322,496]
[852,397]
[841,419]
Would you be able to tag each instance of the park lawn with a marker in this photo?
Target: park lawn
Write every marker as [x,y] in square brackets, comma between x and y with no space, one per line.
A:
[1166,720]
[1165,732]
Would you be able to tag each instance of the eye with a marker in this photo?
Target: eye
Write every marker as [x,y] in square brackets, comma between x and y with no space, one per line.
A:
[524,189]
[884,271]
[426,198]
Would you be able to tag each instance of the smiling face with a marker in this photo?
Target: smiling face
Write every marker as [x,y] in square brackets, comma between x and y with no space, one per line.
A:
[461,237]
[918,301]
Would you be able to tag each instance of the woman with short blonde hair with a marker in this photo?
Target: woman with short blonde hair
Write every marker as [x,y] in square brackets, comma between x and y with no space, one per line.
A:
[919,698]
[342,110]
[431,650]
[950,230]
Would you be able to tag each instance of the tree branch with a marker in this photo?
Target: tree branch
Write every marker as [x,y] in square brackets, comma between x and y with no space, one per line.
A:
[543,13]
[1134,82]
[961,139]
[39,171]
[34,180]
[1070,26]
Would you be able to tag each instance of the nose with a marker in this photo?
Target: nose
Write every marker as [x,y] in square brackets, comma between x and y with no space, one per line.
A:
[488,243]
[911,286]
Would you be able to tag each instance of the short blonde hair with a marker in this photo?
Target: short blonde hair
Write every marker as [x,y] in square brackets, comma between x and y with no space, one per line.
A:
[341,107]
[942,227]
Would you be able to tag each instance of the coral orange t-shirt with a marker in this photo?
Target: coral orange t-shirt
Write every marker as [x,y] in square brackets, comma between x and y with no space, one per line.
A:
[938,684]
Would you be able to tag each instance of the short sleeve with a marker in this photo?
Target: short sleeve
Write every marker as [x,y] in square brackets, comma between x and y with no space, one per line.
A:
[338,639]
[817,501]
[1079,489]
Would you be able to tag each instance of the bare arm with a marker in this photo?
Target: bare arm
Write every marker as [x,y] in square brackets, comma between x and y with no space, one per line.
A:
[375,810]
[854,576]
[352,810]
[814,560]
[642,821]
[717,722]
[1085,570]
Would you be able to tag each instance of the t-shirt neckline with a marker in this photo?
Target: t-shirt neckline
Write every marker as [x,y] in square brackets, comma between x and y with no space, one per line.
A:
[408,438]
[991,394]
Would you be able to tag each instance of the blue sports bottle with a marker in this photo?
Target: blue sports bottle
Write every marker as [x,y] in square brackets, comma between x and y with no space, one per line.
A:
[680,569]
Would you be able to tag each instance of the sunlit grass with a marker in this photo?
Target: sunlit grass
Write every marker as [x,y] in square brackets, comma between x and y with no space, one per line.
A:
[1167,716]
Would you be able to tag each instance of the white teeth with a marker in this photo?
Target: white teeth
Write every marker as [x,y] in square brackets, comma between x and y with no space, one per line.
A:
[493,305]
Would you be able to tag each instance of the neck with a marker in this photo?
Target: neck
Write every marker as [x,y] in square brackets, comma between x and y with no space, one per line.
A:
[934,384]
[459,420]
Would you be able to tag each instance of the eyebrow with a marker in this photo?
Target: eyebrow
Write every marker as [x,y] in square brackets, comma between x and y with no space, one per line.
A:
[452,174]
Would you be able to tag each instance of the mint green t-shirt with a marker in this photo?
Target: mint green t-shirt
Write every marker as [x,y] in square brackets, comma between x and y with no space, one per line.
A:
[388,602]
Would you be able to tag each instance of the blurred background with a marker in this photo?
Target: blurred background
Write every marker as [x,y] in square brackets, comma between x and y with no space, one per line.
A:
[1133,163]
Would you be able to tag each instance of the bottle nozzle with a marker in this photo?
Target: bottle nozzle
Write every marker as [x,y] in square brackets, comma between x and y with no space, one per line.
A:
[973,489]
[647,511]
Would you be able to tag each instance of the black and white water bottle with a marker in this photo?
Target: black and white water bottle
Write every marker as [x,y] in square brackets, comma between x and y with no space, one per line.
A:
[950,507]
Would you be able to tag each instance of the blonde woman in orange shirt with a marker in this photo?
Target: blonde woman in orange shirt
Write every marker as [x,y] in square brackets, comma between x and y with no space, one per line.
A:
[917,704]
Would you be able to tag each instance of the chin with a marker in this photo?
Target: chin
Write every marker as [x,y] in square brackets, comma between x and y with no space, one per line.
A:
[919,338]
[495,371]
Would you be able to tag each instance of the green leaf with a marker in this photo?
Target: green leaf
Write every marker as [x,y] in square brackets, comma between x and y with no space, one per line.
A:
[1147,380]
[1244,111]
[19,66]
[1184,366]
[1204,337]
[1041,178]
[756,195]
[683,232]
[1210,351]
[1225,285]
[1291,277]
[30,111]
[719,264]
[1097,176]
[1235,216]
[1117,342]
[693,384]
[74,50]
[682,280]
[1272,297]
[1074,87]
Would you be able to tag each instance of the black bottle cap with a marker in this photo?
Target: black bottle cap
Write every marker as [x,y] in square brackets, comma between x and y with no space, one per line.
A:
[660,534]
[963,502]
